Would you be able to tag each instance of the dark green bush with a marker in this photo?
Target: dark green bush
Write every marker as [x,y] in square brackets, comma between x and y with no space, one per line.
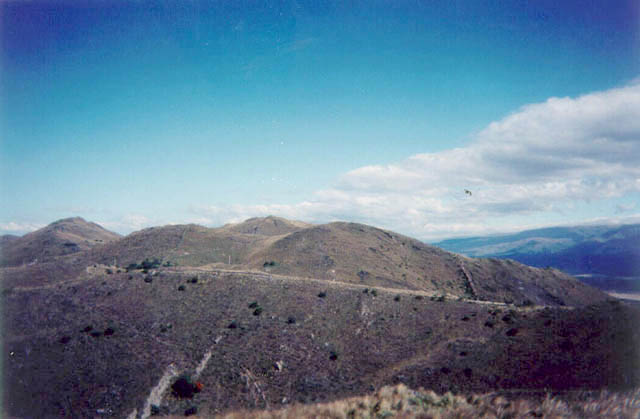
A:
[150,264]
[257,311]
[182,288]
[396,298]
[322,294]
[291,320]
[194,280]
[374,292]
[183,387]
[253,304]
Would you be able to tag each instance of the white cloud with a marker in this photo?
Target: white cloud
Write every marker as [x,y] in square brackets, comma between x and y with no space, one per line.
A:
[546,161]
[129,223]
[18,228]
[542,159]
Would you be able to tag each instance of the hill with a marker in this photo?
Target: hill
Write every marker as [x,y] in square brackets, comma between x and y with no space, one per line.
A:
[597,253]
[267,226]
[311,315]
[344,252]
[100,344]
[63,237]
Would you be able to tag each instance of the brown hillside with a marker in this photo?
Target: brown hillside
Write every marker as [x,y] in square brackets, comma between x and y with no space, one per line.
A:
[343,252]
[185,245]
[102,342]
[267,226]
[356,253]
[63,237]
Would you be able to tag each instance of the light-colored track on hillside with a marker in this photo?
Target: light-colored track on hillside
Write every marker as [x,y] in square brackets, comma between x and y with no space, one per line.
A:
[265,276]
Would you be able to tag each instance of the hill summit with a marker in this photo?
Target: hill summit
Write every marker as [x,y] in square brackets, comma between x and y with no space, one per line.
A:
[62,237]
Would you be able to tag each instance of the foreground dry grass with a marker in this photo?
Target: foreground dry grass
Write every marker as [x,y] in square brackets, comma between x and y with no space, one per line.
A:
[402,402]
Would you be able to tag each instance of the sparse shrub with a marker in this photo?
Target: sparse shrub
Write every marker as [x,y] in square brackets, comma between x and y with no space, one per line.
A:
[191,411]
[418,297]
[333,355]
[150,264]
[269,264]
[148,279]
[183,387]
[109,331]
[108,271]
[374,292]
[167,264]
[466,318]
[396,298]
[96,334]
[194,280]
[155,410]
[566,345]
[253,304]
[291,320]
[365,291]
[233,325]
[182,288]
[257,311]
[118,271]
[130,276]
[512,332]
[441,299]
[489,324]
[526,303]
[65,339]
[362,274]
[87,329]
[322,294]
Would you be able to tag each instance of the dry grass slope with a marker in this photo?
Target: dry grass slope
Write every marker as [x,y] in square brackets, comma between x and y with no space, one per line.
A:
[402,402]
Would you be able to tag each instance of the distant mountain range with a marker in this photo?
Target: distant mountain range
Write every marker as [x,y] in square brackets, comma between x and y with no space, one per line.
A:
[605,256]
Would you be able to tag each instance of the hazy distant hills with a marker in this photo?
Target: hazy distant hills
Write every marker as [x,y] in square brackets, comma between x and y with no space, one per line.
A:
[607,257]
[612,251]
[63,237]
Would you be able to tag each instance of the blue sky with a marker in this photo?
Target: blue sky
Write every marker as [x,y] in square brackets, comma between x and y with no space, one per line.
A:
[133,114]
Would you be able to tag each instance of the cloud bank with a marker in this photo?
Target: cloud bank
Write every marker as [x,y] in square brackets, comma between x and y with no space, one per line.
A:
[566,160]
[543,159]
